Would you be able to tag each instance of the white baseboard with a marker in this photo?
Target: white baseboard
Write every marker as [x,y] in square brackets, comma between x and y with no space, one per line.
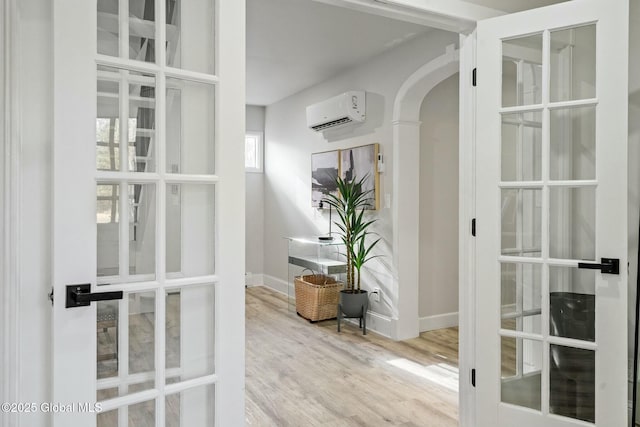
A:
[439,321]
[251,279]
[378,323]
[276,284]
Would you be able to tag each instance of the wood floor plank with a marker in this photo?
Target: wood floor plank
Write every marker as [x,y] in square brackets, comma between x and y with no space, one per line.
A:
[304,374]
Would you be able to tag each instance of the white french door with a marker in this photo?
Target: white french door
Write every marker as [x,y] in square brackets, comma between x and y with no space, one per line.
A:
[148,169]
[551,216]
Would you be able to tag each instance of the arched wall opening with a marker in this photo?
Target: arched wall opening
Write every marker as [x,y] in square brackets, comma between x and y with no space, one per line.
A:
[406,174]
[439,193]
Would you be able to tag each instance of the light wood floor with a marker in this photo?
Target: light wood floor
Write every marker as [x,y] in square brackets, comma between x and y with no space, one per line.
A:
[303,374]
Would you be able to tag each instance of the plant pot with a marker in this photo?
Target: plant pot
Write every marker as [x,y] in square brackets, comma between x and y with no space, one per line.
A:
[354,303]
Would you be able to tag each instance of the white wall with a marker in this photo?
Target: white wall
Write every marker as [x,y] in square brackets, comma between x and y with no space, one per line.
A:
[289,145]
[438,292]
[254,183]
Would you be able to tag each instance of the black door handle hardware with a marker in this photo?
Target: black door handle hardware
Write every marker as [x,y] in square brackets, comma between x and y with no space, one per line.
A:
[606,266]
[81,296]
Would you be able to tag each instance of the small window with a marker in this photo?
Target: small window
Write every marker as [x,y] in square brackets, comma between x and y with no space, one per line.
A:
[253,152]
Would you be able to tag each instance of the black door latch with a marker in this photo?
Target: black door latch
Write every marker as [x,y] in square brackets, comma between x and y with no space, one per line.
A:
[81,296]
[606,266]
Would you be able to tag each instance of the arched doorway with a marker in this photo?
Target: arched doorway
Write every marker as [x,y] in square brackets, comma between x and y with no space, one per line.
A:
[439,193]
[406,172]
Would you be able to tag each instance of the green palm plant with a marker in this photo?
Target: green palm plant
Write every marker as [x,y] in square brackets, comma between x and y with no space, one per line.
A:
[350,203]
[360,254]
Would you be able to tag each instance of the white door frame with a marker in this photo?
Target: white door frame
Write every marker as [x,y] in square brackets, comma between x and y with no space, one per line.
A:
[9,217]
[466,241]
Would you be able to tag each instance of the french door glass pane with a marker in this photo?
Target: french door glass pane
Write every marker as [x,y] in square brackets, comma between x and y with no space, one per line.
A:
[126,345]
[142,122]
[573,63]
[125,121]
[191,35]
[572,303]
[108,27]
[142,30]
[142,320]
[173,329]
[522,71]
[108,343]
[191,408]
[107,143]
[142,230]
[190,229]
[573,143]
[108,120]
[572,222]
[190,127]
[521,297]
[522,146]
[521,365]
[572,388]
[108,229]
[138,415]
[190,331]
[521,222]
[140,24]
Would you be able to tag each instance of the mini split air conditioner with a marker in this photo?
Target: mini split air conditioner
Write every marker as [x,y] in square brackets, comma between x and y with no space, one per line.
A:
[342,110]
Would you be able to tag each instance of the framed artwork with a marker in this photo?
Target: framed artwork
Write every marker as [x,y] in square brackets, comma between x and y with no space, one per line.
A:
[358,162]
[325,168]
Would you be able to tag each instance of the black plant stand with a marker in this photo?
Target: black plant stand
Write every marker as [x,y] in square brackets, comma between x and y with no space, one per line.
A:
[362,318]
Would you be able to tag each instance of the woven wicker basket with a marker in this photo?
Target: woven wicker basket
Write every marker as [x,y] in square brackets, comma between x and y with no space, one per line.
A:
[317,297]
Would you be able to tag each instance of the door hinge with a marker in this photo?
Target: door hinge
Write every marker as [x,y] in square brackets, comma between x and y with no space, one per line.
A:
[51,295]
[473,377]
[474,78]
[473,227]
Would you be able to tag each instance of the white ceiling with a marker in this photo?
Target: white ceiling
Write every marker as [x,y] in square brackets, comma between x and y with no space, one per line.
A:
[295,44]
[514,5]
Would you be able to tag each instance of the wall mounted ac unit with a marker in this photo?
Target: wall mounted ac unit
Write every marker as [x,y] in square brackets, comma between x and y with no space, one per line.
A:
[339,111]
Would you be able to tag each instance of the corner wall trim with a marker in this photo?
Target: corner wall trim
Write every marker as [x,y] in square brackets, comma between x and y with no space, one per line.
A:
[438,321]
[276,284]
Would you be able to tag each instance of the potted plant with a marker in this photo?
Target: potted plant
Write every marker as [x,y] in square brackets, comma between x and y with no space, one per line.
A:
[350,203]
